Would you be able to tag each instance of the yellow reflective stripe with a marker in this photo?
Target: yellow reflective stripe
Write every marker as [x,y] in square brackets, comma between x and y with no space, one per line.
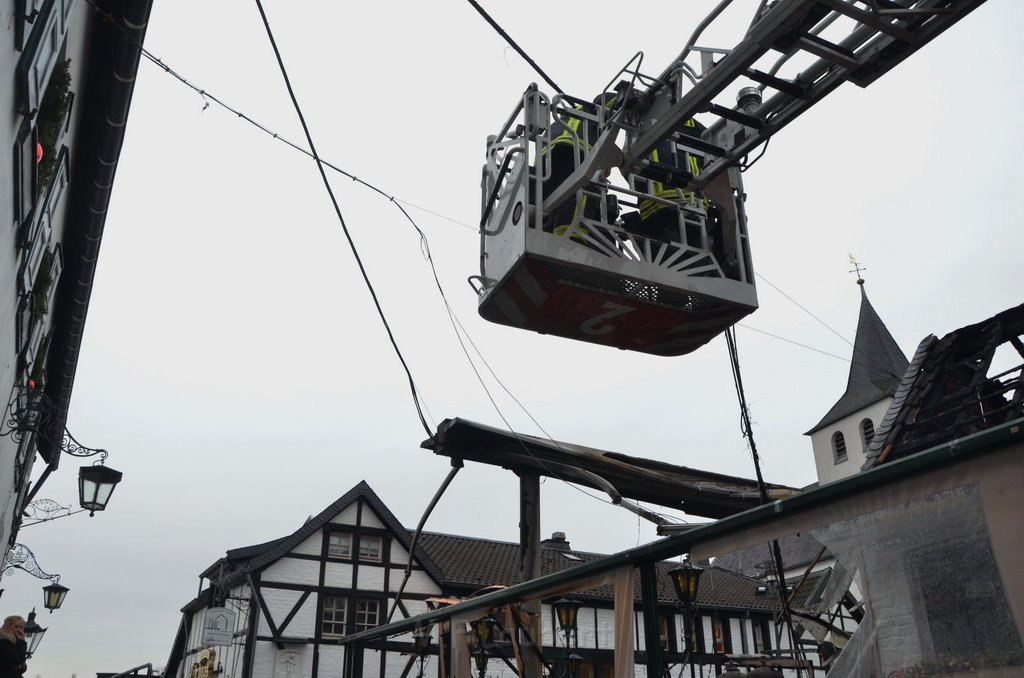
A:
[694,165]
[580,230]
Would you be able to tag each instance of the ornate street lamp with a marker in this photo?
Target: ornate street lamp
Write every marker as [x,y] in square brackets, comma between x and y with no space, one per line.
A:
[95,485]
[33,632]
[20,557]
[421,641]
[686,580]
[483,629]
[566,611]
[53,595]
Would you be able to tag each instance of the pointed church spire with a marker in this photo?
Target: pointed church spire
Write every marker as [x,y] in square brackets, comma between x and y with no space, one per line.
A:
[877,364]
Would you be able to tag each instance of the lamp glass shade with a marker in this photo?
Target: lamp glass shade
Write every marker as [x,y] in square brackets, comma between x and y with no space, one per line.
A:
[481,662]
[95,485]
[53,596]
[33,632]
[421,639]
[566,610]
[482,629]
[686,580]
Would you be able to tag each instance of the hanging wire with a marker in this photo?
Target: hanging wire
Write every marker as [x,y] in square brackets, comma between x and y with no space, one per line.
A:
[341,219]
[515,46]
[748,433]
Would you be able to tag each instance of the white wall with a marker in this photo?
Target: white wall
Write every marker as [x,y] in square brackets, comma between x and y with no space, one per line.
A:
[821,443]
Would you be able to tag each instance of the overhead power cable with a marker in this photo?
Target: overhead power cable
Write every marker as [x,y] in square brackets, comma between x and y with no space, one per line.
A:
[341,219]
[515,46]
[748,433]
[453,318]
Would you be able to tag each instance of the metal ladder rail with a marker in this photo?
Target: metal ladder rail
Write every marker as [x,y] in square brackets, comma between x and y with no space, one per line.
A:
[879,42]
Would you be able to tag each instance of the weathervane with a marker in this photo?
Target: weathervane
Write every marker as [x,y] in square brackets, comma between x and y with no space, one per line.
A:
[857,268]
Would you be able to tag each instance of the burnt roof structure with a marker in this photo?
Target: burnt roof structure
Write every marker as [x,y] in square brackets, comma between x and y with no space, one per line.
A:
[701,493]
[876,367]
[951,390]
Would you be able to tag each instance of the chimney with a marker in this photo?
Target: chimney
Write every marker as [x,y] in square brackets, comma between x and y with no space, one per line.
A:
[557,542]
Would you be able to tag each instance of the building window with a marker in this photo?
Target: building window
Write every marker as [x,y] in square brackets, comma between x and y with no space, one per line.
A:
[339,544]
[761,637]
[370,547]
[838,447]
[721,635]
[867,432]
[367,614]
[40,54]
[663,631]
[334,615]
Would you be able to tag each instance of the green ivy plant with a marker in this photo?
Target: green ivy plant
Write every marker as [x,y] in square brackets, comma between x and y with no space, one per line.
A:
[51,116]
[41,288]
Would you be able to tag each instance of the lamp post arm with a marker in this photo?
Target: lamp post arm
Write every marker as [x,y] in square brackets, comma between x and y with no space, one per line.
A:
[20,557]
[69,445]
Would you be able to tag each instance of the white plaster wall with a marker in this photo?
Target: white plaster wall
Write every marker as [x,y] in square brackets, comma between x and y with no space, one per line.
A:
[294,571]
[821,443]
[280,603]
[332,662]
[347,516]
[338,575]
[419,582]
[586,628]
[311,545]
[399,555]
[263,660]
[303,624]
[370,518]
[606,628]
[736,633]
[370,578]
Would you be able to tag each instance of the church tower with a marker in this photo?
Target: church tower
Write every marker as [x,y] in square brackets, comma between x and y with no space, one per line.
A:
[841,438]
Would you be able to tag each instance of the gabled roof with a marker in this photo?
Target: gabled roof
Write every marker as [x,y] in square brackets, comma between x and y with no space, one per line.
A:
[876,367]
[253,558]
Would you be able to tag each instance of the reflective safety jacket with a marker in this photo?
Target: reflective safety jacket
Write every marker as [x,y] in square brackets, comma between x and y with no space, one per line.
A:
[667,154]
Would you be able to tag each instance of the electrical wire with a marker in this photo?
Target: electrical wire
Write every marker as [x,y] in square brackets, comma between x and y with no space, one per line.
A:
[748,433]
[341,219]
[208,97]
[512,43]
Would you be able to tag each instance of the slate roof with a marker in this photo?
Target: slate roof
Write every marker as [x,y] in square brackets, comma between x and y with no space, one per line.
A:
[462,565]
[876,368]
[252,558]
[470,564]
[798,551]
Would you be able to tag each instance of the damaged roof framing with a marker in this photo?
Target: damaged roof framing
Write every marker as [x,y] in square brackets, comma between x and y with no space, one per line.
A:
[699,493]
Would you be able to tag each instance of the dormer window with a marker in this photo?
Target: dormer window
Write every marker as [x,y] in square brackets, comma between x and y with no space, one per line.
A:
[838,447]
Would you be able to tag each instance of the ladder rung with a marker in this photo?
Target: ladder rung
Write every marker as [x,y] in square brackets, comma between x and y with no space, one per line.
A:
[699,144]
[828,51]
[871,19]
[736,116]
[775,82]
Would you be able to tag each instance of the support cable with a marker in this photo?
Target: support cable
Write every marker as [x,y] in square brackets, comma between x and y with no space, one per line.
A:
[748,433]
[516,47]
[341,219]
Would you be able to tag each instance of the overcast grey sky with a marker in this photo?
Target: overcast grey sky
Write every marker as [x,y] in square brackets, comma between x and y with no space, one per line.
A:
[234,366]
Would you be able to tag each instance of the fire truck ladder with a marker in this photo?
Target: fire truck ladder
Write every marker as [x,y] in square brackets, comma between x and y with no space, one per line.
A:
[844,40]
